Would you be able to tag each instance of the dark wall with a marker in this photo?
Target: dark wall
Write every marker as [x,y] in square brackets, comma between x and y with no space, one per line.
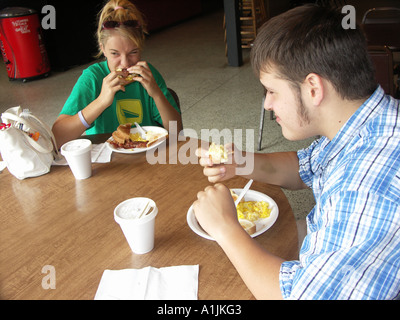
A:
[72,42]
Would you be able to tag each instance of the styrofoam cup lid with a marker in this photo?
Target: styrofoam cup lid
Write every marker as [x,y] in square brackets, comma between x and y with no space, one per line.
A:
[129,210]
[76,147]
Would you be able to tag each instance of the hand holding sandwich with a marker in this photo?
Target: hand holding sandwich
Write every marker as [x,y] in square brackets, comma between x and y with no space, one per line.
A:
[111,85]
[145,77]
[216,170]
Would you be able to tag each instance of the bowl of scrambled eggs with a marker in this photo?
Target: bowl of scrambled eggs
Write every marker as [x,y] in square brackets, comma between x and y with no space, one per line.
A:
[255,206]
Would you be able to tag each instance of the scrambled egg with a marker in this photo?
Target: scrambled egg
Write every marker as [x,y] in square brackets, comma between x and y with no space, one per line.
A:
[136,137]
[253,210]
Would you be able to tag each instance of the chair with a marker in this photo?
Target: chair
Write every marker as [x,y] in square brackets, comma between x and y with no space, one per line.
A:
[252,16]
[260,130]
[382,59]
[381,15]
[381,27]
[175,96]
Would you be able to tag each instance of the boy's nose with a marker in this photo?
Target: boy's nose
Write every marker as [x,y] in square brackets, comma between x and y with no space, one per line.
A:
[267,104]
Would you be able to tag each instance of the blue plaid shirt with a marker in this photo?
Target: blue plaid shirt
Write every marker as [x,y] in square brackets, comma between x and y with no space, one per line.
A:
[352,247]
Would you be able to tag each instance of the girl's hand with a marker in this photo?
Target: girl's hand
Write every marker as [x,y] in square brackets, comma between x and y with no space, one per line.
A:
[146,78]
[111,84]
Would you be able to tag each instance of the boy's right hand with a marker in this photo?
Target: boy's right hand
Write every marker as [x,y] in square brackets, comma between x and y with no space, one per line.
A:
[217,172]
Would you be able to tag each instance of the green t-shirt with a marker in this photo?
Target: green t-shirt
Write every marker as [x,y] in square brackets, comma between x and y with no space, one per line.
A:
[133,105]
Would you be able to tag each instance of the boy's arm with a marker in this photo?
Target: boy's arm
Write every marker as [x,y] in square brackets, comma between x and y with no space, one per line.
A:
[216,213]
[281,168]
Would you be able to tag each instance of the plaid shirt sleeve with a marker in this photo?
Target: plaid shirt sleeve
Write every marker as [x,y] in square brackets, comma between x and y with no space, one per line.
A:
[355,259]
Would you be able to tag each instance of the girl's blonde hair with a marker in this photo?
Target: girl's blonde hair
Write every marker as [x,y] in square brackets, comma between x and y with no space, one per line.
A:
[120,11]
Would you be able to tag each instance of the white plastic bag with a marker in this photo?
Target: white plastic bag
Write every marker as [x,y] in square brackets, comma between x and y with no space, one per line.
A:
[26,157]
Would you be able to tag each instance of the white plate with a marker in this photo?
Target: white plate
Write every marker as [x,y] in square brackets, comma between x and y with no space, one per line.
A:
[262,225]
[138,150]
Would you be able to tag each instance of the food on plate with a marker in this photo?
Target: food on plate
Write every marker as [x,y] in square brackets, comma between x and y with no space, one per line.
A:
[218,153]
[253,210]
[123,138]
[121,135]
[125,76]
[136,137]
[234,195]
[248,226]
[250,211]
[153,137]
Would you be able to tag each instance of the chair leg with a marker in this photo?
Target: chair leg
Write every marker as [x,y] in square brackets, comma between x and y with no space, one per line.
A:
[260,131]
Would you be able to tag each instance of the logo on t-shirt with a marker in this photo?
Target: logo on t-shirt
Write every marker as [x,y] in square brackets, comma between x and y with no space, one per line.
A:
[129,111]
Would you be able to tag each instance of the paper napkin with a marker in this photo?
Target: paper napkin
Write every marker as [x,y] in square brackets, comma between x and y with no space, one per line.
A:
[100,153]
[169,283]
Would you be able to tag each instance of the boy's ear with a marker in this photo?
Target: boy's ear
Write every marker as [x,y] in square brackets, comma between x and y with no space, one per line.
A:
[315,88]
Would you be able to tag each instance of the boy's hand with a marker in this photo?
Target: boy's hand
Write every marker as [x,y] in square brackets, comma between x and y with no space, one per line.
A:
[216,211]
[217,171]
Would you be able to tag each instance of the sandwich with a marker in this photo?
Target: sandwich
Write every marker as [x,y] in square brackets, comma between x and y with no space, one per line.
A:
[218,153]
[153,137]
[125,76]
[121,138]
[248,226]
[121,135]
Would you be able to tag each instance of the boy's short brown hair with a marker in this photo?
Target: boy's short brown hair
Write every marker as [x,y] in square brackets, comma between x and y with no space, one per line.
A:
[311,39]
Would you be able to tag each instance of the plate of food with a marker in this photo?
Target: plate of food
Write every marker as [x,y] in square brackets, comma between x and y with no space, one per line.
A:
[127,139]
[257,212]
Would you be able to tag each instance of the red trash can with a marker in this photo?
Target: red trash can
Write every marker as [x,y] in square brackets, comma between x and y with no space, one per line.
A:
[21,43]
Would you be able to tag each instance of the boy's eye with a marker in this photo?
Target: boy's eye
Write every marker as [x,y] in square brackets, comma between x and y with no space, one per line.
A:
[267,92]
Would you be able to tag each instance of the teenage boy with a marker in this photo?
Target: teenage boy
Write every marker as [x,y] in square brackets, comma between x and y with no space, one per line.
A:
[319,81]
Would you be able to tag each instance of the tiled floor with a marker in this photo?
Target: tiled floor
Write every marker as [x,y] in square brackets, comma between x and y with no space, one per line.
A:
[213,95]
